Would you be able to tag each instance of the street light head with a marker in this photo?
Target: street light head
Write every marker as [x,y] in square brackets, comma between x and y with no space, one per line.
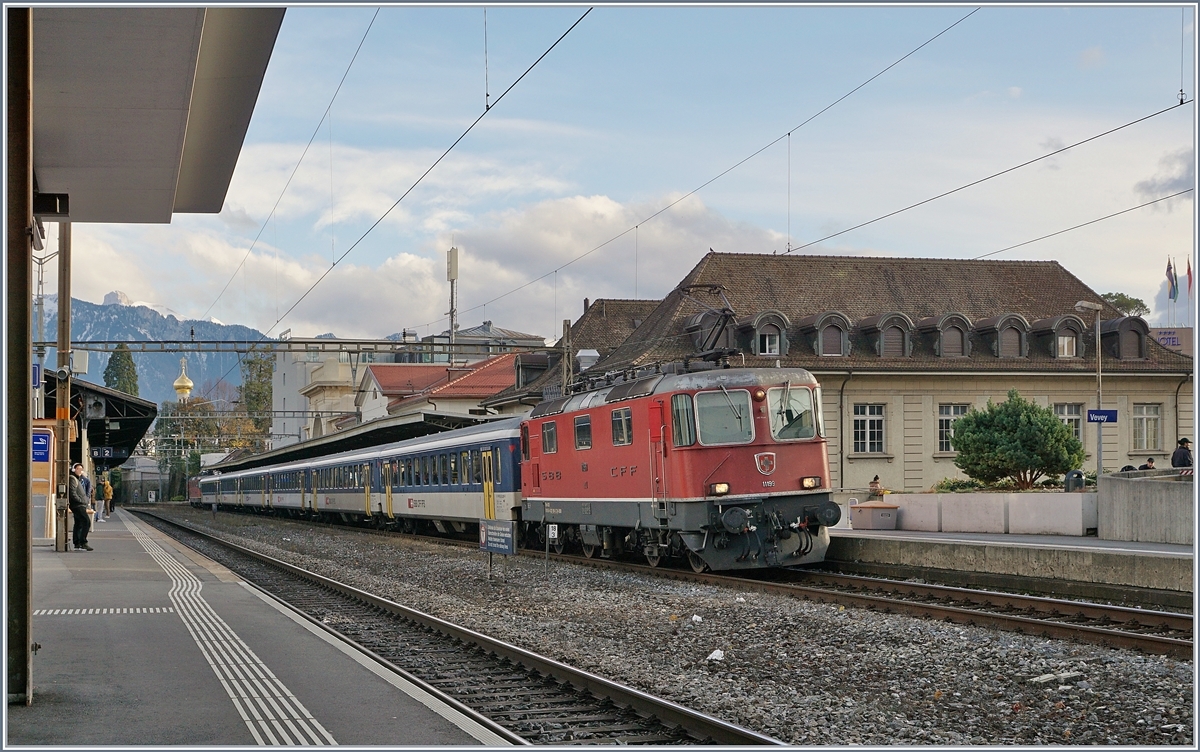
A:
[1087,305]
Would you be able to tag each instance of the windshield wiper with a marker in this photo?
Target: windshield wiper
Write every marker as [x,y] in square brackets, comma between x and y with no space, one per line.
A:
[736,413]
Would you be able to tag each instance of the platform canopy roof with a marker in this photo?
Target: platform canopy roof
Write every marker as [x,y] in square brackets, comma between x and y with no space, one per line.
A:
[139,113]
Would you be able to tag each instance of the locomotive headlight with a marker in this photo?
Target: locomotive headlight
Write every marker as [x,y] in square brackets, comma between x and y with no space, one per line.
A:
[759,394]
[718,489]
[812,481]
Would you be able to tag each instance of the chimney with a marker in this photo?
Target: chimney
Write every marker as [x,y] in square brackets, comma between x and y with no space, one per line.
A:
[586,359]
[585,305]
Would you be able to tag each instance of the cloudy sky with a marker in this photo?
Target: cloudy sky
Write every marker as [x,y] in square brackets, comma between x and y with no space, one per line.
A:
[636,108]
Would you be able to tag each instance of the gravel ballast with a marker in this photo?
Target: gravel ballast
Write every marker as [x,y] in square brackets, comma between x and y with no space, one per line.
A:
[806,673]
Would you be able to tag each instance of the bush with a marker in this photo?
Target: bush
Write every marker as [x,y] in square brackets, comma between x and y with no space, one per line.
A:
[956,485]
[1018,440]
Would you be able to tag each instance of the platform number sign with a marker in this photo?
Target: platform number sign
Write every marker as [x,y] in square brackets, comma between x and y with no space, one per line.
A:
[552,532]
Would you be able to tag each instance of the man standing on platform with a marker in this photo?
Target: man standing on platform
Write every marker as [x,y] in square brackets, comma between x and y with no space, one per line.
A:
[79,509]
[1183,454]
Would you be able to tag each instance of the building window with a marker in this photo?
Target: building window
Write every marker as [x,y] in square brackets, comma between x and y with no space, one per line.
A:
[622,427]
[1010,342]
[1072,415]
[1066,345]
[831,340]
[768,340]
[549,437]
[583,432]
[1131,344]
[952,344]
[868,429]
[947,414]
[893,342]
[1145,427]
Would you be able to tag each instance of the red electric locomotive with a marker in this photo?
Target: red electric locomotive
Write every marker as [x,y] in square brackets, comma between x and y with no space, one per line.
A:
[726,467]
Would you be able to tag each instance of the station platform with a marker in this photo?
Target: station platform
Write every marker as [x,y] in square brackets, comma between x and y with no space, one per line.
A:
[1081,560]
[144,642]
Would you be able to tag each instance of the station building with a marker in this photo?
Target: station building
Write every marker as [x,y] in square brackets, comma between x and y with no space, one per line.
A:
[903,347]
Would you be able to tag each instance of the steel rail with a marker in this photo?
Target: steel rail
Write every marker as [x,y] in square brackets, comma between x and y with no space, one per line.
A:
[1024,624]
[666,711]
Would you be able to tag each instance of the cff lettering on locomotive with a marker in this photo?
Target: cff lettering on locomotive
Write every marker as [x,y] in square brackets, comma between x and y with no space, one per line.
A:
[726,468]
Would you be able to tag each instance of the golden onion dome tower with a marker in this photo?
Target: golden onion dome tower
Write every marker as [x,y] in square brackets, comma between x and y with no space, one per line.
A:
[183,385]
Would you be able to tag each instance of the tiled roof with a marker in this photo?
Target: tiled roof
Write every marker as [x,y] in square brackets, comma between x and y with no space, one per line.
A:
[487,330]
[604,325]
[608,322]
[860,287]
[484,379]
[406,378]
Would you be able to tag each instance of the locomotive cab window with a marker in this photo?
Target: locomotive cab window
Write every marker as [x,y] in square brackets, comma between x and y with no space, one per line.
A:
[524,446]
[791,412]
[622,426]
[549,437]
[583,432]
[683,421]
[724,417]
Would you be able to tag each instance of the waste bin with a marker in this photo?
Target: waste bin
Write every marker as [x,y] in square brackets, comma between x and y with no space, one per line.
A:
[1074,481]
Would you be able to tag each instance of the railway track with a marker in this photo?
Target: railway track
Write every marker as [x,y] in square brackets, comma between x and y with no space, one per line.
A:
[524,697]
[1151,631]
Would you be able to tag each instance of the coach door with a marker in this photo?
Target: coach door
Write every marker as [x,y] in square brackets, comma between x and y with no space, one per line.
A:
[387,473]
[489,486]
[366,483]
[658,489]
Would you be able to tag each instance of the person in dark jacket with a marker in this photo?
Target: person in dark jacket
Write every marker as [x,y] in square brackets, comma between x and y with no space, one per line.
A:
[1183,454]
[1149,464]
[78,504]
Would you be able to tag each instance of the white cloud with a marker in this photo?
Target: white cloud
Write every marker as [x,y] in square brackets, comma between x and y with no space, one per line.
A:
[1014,92]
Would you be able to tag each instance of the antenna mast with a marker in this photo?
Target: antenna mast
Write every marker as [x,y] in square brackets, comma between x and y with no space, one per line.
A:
[452,276]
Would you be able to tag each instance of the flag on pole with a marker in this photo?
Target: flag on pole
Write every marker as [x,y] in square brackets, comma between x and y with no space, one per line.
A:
[1189,278]
[1172,283]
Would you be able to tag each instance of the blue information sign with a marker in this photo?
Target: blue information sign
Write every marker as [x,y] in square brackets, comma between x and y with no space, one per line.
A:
[41,447]
[1102,416]
[37,375]
[498,536]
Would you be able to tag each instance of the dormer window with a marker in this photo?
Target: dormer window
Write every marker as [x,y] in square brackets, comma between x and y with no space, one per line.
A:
[1006,335]
[953,340]
[1010,342]
[1126,337]
[764,334]
[1067,344]
[768,340]
[891,332]
[832,337]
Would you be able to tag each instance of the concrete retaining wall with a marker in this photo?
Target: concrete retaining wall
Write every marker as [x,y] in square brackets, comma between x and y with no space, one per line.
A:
[1147,570]
[1019,514]
[1151,505]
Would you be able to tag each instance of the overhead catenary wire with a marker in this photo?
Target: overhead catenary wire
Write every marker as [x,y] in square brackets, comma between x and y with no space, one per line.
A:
[722,174]
[989,177]
[415,183]
[1085,224]
[300,161]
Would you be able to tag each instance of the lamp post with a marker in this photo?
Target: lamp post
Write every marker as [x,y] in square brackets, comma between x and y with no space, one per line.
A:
[1082,306]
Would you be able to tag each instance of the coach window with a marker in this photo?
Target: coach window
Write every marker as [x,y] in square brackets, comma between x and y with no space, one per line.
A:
[549,437]
[725,417]
[683,421]
[583,432]
[454,468]
[465,463]
[496,464]
[622,427]
[477,465]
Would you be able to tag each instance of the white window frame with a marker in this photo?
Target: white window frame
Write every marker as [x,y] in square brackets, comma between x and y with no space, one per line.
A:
[870,418]
[947,414]
[1065,337]
[1147,427]
[1071,414]
[768,341]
